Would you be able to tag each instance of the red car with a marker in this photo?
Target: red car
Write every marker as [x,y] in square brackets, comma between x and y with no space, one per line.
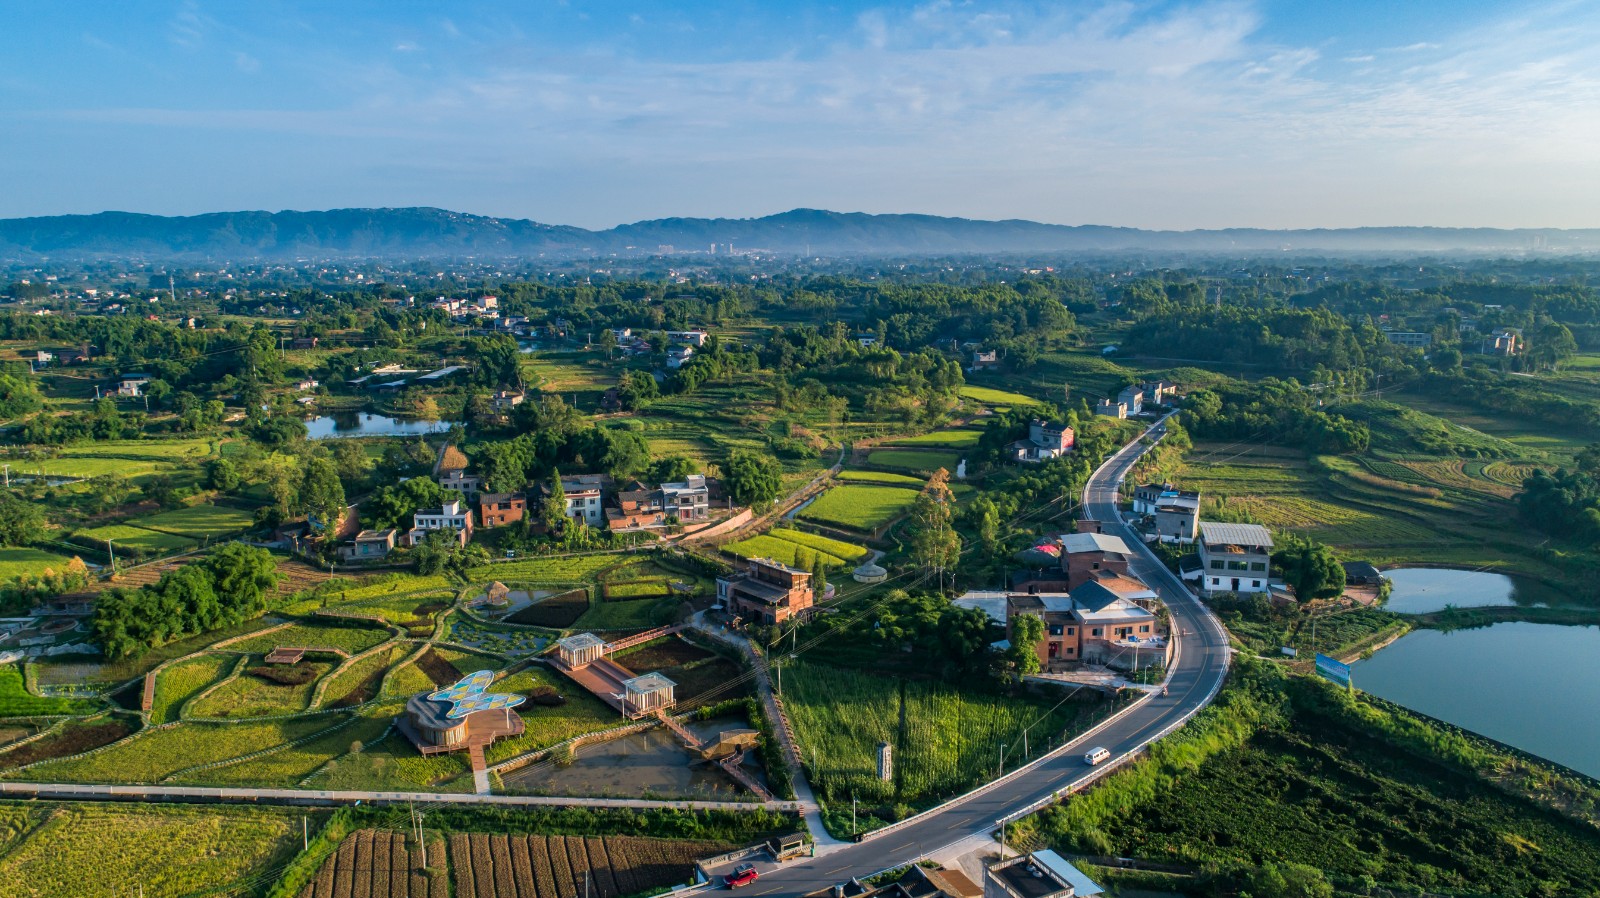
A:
[742,875]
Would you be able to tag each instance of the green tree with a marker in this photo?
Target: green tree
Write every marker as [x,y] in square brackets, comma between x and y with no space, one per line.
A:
[1312,569]
[110,490]
[222,475]
[935,544]
[350,460]
[393,506]
[21,523]
[322,495]
[752,478]
[244,574]
[819,575]
[553,511]
[160,489]
[1027,630]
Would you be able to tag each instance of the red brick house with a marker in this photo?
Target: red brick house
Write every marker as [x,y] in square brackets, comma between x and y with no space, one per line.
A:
[767,591]
[499,509]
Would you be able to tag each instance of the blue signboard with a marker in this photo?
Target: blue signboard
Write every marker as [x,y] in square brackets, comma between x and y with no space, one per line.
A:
[1333,669]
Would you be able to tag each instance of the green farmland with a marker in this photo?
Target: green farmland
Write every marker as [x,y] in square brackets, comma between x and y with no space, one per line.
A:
[860,507]
[200,521]
[914,459]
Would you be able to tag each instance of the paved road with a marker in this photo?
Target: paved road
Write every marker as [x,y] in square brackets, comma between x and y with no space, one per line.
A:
[313,797]
[1195,679]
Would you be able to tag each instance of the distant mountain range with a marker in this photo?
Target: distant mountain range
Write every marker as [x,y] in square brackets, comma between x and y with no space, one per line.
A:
[427,232]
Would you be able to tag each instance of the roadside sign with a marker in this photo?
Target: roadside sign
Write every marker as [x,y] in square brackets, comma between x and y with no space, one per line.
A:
[1333,669]
[1289,652]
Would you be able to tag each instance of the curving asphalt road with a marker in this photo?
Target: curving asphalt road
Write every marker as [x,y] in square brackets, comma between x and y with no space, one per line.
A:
[1201,667]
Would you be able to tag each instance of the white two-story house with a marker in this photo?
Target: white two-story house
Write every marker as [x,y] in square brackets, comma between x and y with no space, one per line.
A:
[1234,558]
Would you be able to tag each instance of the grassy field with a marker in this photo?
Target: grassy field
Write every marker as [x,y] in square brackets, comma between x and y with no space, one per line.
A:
[996,398]
[200,521]
[17,701]
[181,682]
[627,614]
[914,459]
[352,640]
[778,549]
[859,506]
[81,850]
[18,561]
[252,695]
[156,754]
[359,681]
[1385,509]
[953,439]
[575,569]
[881,477]
[130,458]
[124,537]
[953,742]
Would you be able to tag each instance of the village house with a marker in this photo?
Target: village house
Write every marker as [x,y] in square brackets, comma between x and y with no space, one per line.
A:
[689,499]
[1234,558]
[1133,399]
[1046,440]
[1505,341]
[984,359]
[1410,339]
[678,356]
[449,517]
[1110,620]
[499,509]
[586,497]
[767,591]
[696,338]
[1147,495]
[506,400]
[132,385]
[303,343]
[1111,408]
[636,507]
[1178,517]
[458,481]
[369,545]
[1160,392]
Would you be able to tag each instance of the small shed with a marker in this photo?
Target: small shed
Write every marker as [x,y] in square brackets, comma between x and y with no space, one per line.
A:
[498,595]
[870,573]
[285,655]
[648,693]
[1361,573]
[580,650]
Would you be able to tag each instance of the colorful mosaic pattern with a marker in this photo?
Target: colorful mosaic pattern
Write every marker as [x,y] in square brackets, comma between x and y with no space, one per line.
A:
[467,696]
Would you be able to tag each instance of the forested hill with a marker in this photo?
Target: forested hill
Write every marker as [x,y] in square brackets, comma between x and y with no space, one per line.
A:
[427,232]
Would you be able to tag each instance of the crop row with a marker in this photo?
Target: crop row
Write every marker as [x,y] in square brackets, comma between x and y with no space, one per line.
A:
[515,866]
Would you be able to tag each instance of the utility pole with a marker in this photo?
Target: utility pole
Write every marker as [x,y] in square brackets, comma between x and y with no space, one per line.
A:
[852,813]
[8,475]
[305,834]
[111,555]
[1002,760]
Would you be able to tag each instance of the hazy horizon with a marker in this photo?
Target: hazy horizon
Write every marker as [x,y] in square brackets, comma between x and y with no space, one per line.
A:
[1207,115]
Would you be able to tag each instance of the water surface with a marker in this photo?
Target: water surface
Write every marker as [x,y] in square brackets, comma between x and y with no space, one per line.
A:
[1421,590]
[366,424]
[1533,686]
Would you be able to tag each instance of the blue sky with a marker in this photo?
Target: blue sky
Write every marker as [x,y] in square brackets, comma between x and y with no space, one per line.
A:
[1162,115]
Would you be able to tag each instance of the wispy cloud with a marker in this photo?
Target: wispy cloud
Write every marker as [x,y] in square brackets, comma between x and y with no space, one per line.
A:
[1119,112]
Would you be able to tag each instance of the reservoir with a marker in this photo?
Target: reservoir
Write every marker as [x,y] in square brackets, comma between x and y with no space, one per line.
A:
[1533,686]
[1422,590]
[366,424]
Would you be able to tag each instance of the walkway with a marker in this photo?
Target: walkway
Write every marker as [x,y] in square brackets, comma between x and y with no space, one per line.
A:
[811,810]
[208,794]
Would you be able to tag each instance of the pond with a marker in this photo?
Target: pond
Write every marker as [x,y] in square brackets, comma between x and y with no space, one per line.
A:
[1533,686]
[366,424]
[1422,590]
[652,763]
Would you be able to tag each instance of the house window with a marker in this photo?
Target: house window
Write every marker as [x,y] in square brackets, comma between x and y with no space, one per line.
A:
[1072,631]
[1097,631]
[1216,564]
[1255,583]
[1258,566]
[1144,628]
[1238,566]
[1055,630]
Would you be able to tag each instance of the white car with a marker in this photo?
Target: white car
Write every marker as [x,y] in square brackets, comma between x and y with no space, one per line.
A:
[1095,756]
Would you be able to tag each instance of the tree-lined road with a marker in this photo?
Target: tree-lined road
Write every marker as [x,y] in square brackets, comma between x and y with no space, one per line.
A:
[1199,672]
